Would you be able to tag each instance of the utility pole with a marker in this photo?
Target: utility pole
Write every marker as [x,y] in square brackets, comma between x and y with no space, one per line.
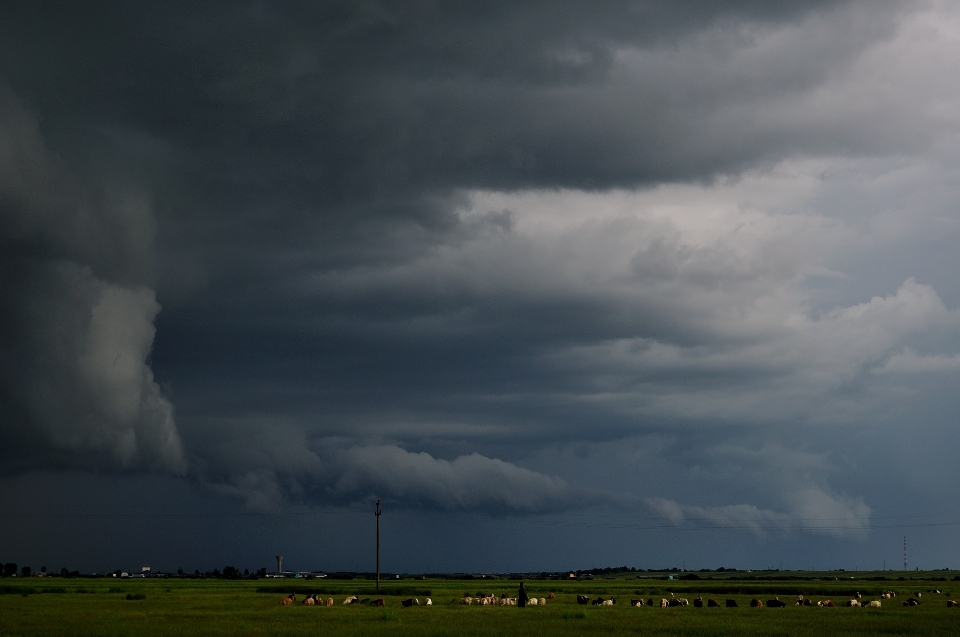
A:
[904,552]
[377,513]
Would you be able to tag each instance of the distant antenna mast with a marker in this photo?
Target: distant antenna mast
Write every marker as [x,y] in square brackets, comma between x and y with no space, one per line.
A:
[377,513]
[904,552]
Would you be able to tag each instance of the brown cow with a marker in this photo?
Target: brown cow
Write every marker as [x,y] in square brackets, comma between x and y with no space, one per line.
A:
[712,603]
[827,603]
[551,596]
[378,602]
[756,603]
[329,601]
[308,601]
[286,601]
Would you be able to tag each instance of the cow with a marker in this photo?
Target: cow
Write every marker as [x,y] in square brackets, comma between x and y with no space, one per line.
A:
[952,604]
[872,604]
[532,601]
[543,601]
[731,603]
[607,602]
[597,602]
[309,601]
[650,602]
[756,603]
[407,603]
[936,591]
[712,603]
[776,603]
[664,603]
[329,601]
[636,602]
[698,602]
[378,602]
[583,600]
[466,601]
[351,600]
[676,601]
[889,594]
[884,595]
[286,601]
[852,603]
[551,596]
[826,603]
[858,595]
[912,602]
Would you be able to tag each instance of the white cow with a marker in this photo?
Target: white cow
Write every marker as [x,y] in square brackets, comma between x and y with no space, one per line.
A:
[872,604]
[532,601]
[429,602]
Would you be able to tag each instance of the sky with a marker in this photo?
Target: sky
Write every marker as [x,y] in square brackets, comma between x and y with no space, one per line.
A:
[564,285]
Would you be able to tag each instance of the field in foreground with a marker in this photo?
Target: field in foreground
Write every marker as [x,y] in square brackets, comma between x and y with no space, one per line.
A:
[111,607]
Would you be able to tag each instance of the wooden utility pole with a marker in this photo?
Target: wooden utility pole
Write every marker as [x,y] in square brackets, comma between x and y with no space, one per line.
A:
[377,513]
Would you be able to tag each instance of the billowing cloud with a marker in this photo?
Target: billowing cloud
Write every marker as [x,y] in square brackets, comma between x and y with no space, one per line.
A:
[77,327]
[513,259]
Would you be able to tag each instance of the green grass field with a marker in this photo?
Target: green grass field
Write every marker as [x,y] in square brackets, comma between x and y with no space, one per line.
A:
[110,607]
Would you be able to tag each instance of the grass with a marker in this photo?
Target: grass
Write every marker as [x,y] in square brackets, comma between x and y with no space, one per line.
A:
[252,608]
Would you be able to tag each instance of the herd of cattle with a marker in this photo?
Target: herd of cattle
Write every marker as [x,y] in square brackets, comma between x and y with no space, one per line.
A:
[484,599]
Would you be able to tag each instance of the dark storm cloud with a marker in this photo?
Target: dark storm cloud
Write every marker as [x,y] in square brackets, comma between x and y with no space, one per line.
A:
[361,301]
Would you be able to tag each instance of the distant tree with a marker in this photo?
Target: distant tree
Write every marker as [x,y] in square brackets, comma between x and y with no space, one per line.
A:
[64,572]
[43,569]
[25,571]
[246,573]
[262,572]
[216,572]
[9,569]
[196,573]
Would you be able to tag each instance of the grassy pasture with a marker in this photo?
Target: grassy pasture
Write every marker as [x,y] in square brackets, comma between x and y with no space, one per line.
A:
[109,607]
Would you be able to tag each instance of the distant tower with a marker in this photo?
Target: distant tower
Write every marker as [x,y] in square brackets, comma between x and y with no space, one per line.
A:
[280,565]
[904,552]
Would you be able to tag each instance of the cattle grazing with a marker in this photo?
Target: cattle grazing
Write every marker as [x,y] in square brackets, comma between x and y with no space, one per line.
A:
[952,604]
[826,603]
[429,602]
[664,603]
[678,601]
[732,603]
[583,600]
[607,602]
[776,603]
[378,602]
[919,594]
[852,603]
[712,603]
[351,600]
[551,596]
[872,604]
[466,601]
[407,603]
[532,601]
[756,603]
[636,602]
[650,602]
[329,601]
[858,595]
[912,602]
[889,594]
[698,602]
[936,591]
[286,601]
[543,601]
[598,601]
[808,602]
[309,601]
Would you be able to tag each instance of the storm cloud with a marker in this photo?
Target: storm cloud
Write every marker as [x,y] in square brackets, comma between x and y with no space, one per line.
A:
[683,260]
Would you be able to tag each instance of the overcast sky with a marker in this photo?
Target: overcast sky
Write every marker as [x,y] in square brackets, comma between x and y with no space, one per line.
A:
[564,285]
